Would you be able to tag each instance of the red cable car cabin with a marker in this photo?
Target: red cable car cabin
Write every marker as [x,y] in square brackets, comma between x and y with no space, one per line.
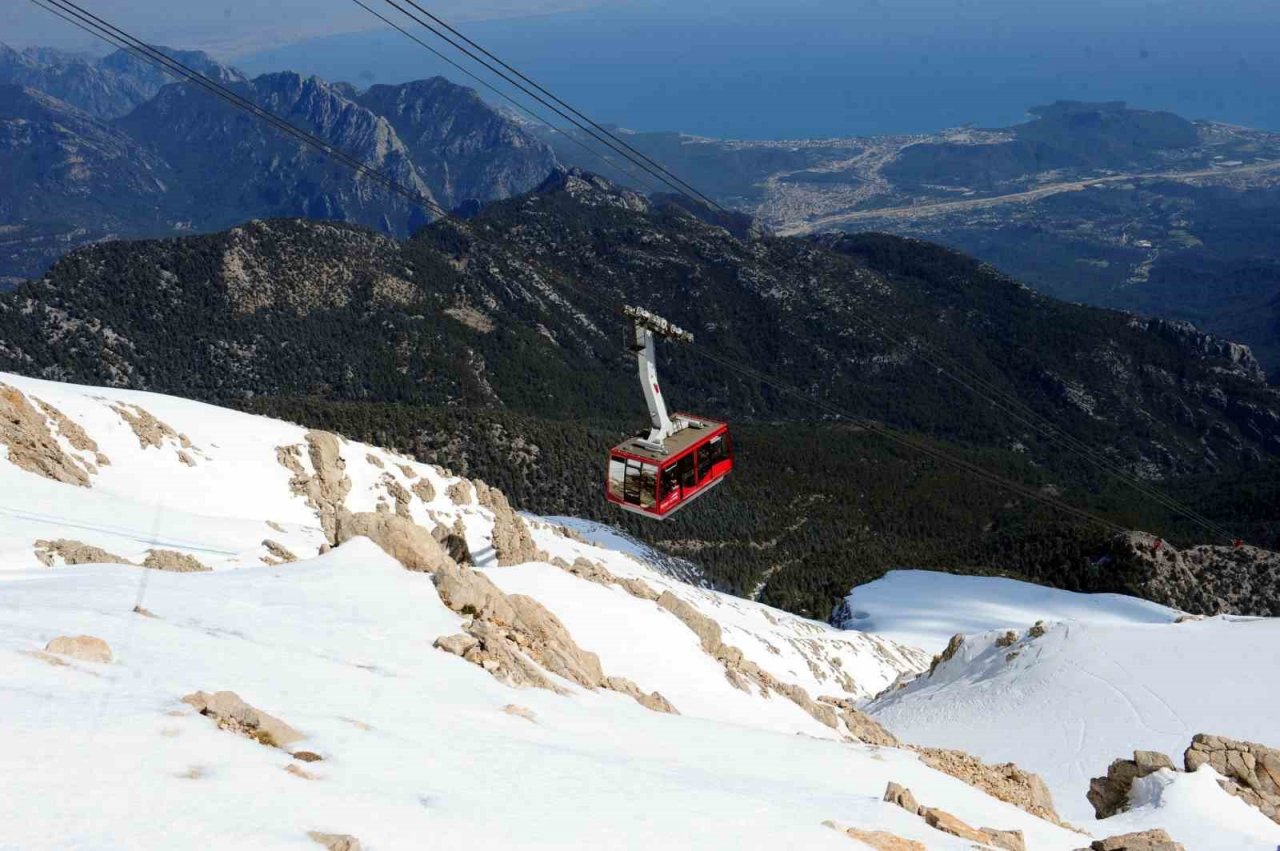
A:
[657,483]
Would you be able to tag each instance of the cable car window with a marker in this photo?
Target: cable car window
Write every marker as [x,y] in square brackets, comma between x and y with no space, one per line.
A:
[617,471]
[684,472]
[640,484]
[705,460]
[668,483]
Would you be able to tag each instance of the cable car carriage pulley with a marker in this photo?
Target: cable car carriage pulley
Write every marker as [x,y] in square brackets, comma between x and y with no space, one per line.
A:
[682,457]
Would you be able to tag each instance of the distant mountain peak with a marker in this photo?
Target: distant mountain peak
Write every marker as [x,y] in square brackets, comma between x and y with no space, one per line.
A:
[592,190]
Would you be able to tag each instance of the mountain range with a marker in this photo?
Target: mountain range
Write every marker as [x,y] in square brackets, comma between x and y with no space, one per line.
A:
[95,149]
[1102,203]
[347,328]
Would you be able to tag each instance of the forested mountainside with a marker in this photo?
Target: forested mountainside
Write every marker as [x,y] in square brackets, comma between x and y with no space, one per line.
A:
[510,313]
[1104,203]
[104,149]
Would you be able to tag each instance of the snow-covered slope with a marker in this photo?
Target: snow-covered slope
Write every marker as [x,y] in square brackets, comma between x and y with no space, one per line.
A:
[924,608]
[233,514]
[1066,703]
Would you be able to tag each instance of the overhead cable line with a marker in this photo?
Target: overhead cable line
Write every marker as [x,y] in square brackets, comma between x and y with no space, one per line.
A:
[514,78]
[645,181]
[77,15]
[998,398]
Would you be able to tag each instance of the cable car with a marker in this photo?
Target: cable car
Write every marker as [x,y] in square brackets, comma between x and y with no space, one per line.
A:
[681,457]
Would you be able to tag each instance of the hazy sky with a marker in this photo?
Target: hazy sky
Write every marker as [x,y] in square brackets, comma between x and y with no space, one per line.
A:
[232,27]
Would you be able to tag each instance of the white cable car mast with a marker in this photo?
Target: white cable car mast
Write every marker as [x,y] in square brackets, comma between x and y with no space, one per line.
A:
[647,326]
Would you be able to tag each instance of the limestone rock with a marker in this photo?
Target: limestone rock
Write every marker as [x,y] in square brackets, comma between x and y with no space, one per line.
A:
[458,644]
[74,552]
[947,823]
[231,713]
[469,592]
[1110,794]
[1009,840]
[279,551]
[598,573]
[883,840]
[952,648]
[150,431]
[867,729]
[1006,781]
[460,492]
[327,486]
[1250,771]
[1201,580]
[335,841]
[423,490]
[75,435]
[552,646]
[512,542]
[86,648]
[496,652]
[1147,840]
[707,630]
[32,446]
[402,539]
[454,541]
[1006,639]
[653,700]
[398,492]
[173,561]
[901,795]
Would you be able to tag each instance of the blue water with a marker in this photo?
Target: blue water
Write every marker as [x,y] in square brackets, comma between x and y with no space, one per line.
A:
[812,68]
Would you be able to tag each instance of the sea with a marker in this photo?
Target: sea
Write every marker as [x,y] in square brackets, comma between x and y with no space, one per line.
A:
[797,69]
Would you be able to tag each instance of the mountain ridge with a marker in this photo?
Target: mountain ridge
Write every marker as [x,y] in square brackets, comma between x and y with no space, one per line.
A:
[221,167]
[471,343]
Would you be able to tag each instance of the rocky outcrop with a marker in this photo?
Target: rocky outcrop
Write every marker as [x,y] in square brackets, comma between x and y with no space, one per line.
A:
[512,543]
[944,821]
[229,712]
[1147,840]
[1205,580]
[1250,771]
[86,648]
[402,539]
[948,653]
[460,492]
[454,541]
[1006,781]
[150,431]
[901,796]
[25,432]
[280,554]
[327,485]
[401,495]
[73,433]
[881,840]
[515,638]
[74,552]
[335,841]
[939,819]
[173,561]
[595,572]
[1110,794]
[861,726]
[741,671]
